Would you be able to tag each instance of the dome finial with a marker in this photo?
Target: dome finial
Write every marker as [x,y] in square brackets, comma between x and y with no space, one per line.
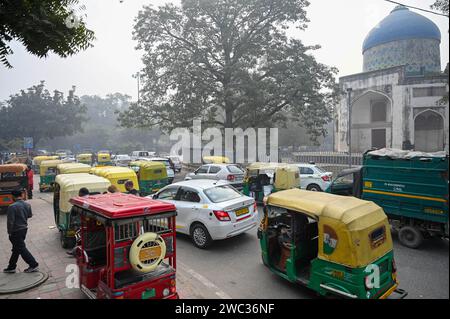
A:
[399,7]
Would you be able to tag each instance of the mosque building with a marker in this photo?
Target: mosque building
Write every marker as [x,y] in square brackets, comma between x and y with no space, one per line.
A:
[396,101]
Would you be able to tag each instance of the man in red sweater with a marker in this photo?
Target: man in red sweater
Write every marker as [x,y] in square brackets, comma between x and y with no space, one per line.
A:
[30,176]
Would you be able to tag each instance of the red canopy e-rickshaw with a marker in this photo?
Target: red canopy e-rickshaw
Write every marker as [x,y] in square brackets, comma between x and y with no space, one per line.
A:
[127,248]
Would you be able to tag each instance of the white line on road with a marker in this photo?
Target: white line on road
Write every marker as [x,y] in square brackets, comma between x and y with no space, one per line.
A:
[220,293]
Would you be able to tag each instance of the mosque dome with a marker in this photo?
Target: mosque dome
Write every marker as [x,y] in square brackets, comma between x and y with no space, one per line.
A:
[403,38]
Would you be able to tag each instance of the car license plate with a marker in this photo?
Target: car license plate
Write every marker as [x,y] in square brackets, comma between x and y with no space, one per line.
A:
[241,211]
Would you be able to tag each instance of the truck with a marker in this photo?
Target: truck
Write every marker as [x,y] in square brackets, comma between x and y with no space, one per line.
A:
[411,187]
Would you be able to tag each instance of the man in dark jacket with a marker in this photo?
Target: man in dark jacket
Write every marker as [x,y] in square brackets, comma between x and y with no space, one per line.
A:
[18,214]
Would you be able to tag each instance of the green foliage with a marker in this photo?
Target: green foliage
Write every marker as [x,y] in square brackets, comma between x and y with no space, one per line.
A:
[38,114]
[100,131]
[42,26]
[230,63]
[441,5]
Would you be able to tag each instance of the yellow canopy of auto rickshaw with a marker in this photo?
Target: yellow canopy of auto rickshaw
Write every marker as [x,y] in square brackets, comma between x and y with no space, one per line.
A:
[85,157]
[216,160]
[38,159]
[150,170]
[45,165]
[117,175]
[13,168]
[352,221]
[70,184]
[103,157]
[73,168]
[286,175]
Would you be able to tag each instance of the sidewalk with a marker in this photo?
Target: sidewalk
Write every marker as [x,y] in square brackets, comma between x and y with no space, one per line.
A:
[43,242]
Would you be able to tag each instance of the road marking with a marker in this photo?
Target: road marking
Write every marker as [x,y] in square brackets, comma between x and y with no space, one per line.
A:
[220,293]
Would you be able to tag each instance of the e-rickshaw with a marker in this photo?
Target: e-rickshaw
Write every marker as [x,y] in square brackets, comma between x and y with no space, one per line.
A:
[128,247]
[38,159]
[72,168]
[117,175]
[215,160]
[262,179]
[47,172]
[334,245]
[103,159]
[12,177]
[84,158]
[152,176]
[67,187]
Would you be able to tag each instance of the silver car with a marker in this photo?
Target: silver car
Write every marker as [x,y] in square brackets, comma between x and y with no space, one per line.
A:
[231,173]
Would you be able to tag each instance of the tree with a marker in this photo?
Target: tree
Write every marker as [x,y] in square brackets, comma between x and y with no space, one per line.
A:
[230,63]
[441,5]
[42,26]
[38,114]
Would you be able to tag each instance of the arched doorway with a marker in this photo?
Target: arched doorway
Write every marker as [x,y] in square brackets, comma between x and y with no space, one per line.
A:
[429,132]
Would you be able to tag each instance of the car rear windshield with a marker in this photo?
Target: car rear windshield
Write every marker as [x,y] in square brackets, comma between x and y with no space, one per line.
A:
[221,194]
[235,169]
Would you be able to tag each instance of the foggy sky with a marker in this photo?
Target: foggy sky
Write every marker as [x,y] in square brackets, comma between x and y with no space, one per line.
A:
[339,26]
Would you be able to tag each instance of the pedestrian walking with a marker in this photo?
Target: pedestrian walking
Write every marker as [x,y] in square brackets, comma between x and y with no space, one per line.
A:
[30,176]
[17,226]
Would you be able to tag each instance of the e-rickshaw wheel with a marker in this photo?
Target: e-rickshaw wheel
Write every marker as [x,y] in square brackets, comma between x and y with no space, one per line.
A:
[147,252]
[410,237]
[67,242]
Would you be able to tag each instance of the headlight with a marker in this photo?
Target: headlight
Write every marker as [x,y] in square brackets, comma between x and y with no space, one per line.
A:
[166,292]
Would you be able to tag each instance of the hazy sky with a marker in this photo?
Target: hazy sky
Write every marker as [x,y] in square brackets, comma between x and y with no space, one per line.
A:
[339,26]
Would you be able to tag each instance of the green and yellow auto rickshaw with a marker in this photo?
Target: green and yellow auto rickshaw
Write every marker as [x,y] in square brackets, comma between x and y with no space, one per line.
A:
[262,179]
[72,168]
[215,160]
[85,158]
[47,172]
[117,175]
[334,245]
[67,187]
[152,176]
[39,159]
[104,159]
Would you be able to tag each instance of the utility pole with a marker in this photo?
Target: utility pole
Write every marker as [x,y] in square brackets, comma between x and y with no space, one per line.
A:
[349,133]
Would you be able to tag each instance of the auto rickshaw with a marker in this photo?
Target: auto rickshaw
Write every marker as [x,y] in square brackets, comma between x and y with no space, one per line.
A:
[103,159]
[12,177]
[262,179]
[128,247]
[47,172]
[85,158]
[72,168]
[215,160]
[334,245]
[38,159]
[117,175]
[67,187]
[152,176]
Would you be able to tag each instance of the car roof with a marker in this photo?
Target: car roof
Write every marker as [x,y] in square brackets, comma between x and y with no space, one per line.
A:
[220,164]
[200,183]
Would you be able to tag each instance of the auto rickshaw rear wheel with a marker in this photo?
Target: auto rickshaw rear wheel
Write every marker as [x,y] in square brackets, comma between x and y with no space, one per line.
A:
[410,237]
[67,242]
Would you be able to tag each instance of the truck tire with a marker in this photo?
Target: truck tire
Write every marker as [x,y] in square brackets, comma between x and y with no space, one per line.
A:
[410,237]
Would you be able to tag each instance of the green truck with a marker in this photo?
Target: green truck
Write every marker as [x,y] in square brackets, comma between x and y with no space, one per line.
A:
[411,187]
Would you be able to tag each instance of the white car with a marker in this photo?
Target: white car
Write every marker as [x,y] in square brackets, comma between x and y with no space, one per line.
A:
[121,160]
[135,155]
[209,210]
[313,178]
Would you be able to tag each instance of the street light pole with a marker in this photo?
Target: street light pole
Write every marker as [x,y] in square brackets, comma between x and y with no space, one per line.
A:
[349,133]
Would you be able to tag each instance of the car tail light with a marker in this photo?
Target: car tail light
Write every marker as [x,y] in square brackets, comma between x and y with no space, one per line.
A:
[222,216]
[255,207]
[326,178]
[230,177]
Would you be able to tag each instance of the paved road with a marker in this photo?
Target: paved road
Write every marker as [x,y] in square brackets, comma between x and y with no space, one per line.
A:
[233,269]
[235,266]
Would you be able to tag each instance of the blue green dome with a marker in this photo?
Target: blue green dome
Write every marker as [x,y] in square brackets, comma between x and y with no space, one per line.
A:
[401,24]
